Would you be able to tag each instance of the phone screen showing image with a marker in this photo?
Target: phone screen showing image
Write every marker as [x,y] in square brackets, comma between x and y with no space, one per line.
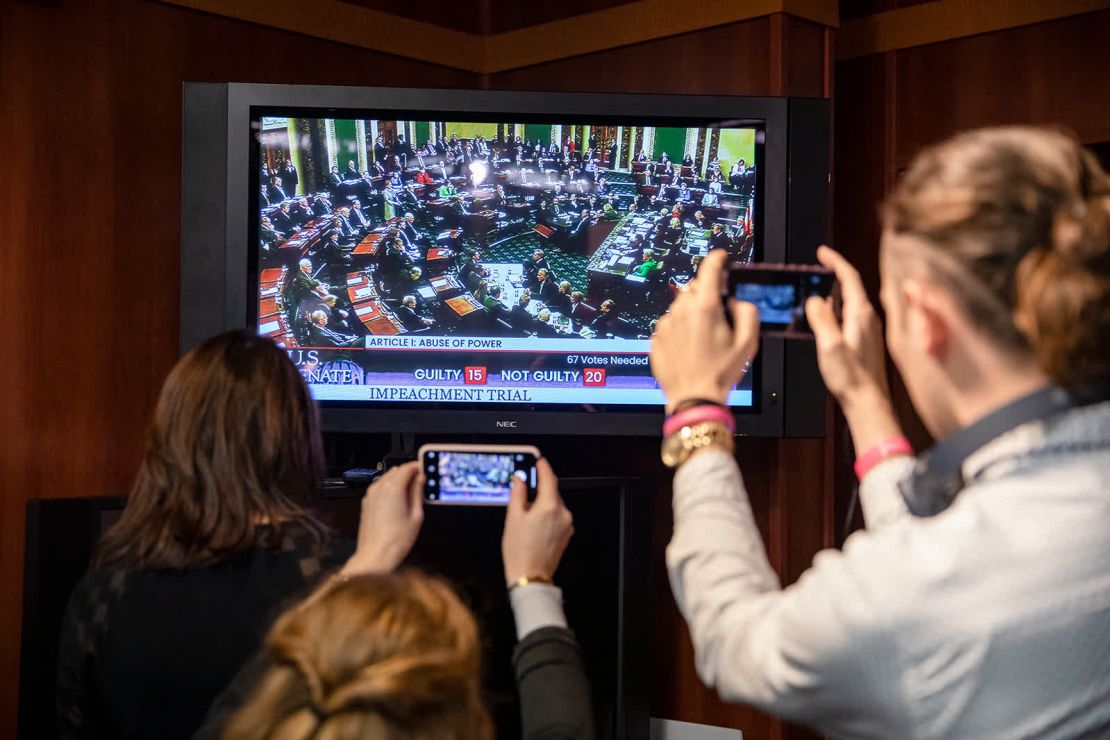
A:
[476,477]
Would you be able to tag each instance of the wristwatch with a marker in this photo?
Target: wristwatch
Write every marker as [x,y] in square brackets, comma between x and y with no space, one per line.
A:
[677,448]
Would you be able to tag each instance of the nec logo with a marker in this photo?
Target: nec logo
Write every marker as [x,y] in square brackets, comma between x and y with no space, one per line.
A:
[506,424]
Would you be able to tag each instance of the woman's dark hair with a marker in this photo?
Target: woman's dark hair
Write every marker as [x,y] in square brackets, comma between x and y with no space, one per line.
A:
[234,445]
[1017,221]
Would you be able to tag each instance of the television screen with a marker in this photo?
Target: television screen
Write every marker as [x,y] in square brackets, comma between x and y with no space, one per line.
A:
[428,261]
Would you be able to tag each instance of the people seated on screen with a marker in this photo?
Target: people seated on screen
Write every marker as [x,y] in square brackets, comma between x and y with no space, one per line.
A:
[422,177]
[471,273]
[351,173]
[687,160]
[542,326]
[321,335]
[646,264]
[532,266]
[301,212]
[337,317]
[700,221]
[714,166]
[737,173]
[547,289]
[407,312]
[560,301]
[407,229]
[605,323]
[394,260]
[408,282]
[376,652]
[266,232]
[581,313]
[491,300]
[710,198]
[447,190]
[719,239]
[519,316]
[994,277]
[671,237]
[303,289]
[321,205]
[217,533]
[396,180]
[359,218]
[274,190]
[377,169]
[348,232]
[335,181]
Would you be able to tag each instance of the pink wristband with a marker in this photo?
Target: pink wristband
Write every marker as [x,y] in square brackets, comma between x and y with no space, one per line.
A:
[699,415]
[888,448]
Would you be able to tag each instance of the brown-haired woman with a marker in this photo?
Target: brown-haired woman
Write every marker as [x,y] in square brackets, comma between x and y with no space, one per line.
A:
[217,535]
[977,602]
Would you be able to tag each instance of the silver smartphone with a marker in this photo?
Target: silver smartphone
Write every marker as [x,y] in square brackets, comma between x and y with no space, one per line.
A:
[476,475]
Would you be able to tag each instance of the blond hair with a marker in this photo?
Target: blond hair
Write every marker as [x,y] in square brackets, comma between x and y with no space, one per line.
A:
[1016,220]
[383,656]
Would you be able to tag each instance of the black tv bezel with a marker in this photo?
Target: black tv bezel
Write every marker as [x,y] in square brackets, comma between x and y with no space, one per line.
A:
[219,144]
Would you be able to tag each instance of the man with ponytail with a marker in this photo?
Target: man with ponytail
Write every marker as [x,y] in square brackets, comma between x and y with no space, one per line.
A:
[976,604]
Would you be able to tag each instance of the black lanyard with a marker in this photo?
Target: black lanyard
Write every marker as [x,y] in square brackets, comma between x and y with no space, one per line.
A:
[938,475]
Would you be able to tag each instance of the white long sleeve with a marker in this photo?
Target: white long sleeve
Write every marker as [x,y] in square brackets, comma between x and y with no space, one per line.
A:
[991,619]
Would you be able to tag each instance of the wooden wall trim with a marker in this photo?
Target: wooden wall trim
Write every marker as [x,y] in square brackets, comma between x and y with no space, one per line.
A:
[355,25]
[634,23]
[944,20]
[623,25]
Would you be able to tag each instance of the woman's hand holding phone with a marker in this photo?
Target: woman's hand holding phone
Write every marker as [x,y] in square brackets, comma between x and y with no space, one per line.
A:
[392,513]
[537,533]
[695,353]
[851,355]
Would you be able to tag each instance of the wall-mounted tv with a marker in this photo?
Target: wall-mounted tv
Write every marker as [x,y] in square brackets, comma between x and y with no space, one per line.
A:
[476,261]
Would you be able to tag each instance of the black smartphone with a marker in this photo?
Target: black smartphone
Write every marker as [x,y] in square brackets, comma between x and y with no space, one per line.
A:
[780,292]
[479,475]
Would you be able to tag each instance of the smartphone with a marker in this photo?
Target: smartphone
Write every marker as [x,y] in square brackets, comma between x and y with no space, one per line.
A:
[779,292]
[476,474]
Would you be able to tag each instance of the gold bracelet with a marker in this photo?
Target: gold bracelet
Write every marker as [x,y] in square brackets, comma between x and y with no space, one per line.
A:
[678,447]
[525,580]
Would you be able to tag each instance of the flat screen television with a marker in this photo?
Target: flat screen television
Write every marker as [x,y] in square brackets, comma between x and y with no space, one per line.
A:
[480,261]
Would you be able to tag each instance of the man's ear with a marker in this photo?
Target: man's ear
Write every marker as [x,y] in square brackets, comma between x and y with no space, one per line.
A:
[926,320]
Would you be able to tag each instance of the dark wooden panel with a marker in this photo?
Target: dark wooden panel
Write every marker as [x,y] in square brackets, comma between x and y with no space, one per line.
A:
[510,15]
[486,17]
[90,200]
[805,58]
[1049,73]
[729,60]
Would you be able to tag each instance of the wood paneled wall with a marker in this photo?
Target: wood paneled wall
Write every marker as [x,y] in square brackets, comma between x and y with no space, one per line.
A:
[90,156]
[888,106]
[90,212]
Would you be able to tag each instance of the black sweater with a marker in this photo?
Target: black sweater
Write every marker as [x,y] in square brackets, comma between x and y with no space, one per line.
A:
[144,653]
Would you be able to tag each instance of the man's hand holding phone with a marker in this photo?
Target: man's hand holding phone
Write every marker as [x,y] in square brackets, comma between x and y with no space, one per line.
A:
[851,355]
[695,353]
[537,533]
